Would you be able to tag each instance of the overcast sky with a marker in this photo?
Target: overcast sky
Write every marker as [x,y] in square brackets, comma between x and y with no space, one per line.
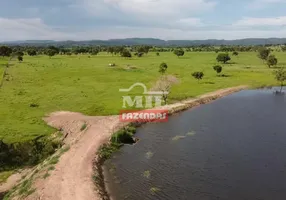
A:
[164,19]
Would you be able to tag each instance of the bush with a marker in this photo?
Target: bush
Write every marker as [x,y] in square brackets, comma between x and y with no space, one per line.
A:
[20,58]
[223,57]
[179,52]
[272,61]
[124,136]
[217,68]
[26,153]
[198,75]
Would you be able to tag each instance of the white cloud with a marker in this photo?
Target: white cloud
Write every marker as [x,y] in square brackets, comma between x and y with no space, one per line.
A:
[26,29]
[189,22]
[148,11]
[177,34]
[36,29]
[261,4]
[248,21]
[161,8]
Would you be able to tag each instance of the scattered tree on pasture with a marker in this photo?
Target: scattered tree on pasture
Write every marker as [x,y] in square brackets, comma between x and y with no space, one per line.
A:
[271,61]
[163,68]
[5,51]
[51,52]
[235,53]
[143,49]
[164,85]
[126,54]
[179,52]
[198,75]
[32,52]
[223,57]
[139,54]
[263,53]
[94,51]
[55,49]
[280,76]
[20,58]
[157,54]
[110,50]
[217,68]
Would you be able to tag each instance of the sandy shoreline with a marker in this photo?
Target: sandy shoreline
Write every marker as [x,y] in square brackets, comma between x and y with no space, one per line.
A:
[72,177]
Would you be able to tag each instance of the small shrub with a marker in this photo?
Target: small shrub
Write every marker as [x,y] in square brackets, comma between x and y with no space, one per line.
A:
[34,105]
[46,175]
[217,68]
[123,137]
[107,150]
[198,75]
[83,127]
[20,58]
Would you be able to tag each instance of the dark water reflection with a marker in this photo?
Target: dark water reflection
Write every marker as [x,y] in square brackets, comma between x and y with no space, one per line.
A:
[237,153]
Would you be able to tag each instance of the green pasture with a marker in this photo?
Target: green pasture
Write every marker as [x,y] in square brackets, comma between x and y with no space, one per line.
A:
[41,85]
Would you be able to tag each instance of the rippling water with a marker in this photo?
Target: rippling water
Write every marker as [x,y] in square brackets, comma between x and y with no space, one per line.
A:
[231,149]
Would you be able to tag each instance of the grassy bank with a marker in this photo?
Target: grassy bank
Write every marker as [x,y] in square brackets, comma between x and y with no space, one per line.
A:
[41,85]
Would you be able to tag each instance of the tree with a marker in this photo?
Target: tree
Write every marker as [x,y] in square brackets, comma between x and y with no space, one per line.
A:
[139,54]
[55,49]
[32,52]
[157,54]
[217,68]
[263,53]
[280,76]
[163,68]
[223,57]
[5,51]
[164,84]
[271,60]
[126,54]
[51,52]
[235,53]
[198,75]
[20,58]
[179,52]
[94,51]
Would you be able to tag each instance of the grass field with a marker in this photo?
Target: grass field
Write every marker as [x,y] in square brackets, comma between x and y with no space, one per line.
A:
[90,86]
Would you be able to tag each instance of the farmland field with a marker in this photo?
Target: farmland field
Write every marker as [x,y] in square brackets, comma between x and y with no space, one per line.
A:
[41,85]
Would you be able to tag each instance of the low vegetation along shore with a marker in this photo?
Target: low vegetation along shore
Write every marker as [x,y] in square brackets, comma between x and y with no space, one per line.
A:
[36,83]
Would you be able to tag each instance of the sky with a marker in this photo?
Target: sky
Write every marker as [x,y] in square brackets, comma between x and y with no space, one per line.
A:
[163,19]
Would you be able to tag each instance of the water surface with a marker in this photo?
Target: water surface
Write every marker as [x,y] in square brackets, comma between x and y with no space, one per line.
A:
[231,149]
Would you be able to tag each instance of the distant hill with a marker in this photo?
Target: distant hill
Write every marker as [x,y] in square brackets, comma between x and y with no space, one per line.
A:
[150,41]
